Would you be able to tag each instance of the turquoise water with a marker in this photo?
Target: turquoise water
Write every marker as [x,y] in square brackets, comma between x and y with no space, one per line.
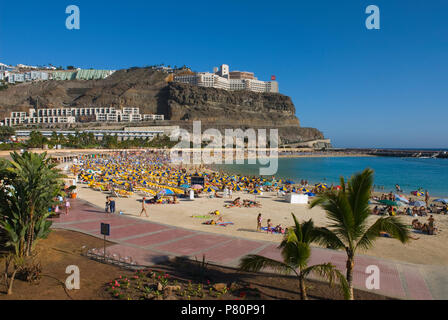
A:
[409,173]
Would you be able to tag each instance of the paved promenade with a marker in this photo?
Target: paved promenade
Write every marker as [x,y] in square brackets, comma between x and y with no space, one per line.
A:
[149,243]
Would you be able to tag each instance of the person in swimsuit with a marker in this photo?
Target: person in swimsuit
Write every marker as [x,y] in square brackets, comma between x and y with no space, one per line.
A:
[143,207]
[259,219]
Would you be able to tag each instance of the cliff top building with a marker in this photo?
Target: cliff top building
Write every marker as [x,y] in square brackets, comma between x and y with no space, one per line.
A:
[223,78]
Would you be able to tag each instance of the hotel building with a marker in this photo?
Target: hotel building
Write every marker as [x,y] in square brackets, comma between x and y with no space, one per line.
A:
[73,115]
[228,80]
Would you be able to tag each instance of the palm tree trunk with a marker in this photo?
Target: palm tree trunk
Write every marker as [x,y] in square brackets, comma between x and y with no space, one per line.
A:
[302,287]
[350,265]
[7,262]
[31,239]
[11,281]
[30,234]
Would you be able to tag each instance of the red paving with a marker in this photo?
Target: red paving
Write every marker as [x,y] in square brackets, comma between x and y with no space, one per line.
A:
[231,250]
[416,284]
[159,237]
[149,243]
[194,244]
[120,232]
[141,257]
[95,225]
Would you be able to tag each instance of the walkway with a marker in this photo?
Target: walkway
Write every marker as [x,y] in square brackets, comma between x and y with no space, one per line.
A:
[150,243]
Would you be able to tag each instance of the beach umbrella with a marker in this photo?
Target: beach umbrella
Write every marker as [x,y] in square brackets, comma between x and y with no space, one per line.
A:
[185,186]
[289,182]
[209,189]
[267,183]
[196,186]
[282,189]
[256,191]
[322,185]
[444,201]
[418,204]
[310,194]
[388,202]
[238,188]
[417,193]
[400,198]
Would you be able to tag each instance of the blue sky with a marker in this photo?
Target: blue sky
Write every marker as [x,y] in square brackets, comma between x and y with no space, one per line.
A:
[362,88]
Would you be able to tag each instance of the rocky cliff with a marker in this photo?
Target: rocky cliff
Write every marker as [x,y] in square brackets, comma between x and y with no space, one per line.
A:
[152,93]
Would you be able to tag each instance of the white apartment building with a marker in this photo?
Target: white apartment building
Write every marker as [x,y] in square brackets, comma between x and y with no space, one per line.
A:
[224,79]
[12,121]
[14,77]
[147,117]
[70,115]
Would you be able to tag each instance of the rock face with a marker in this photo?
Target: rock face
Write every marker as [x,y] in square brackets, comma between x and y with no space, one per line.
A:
[186,102]
[180,103]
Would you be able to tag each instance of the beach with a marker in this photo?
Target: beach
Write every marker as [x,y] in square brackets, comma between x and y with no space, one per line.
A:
[427,250]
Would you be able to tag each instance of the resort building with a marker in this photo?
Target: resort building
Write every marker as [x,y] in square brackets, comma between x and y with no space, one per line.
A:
[223,78]
[123,134]
[21,74]
[73,115]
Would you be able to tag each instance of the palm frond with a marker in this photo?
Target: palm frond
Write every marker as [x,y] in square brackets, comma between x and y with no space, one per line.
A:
[358,194]
[392,225]
[338,212]
[327,238]
[254,263]
[332,274]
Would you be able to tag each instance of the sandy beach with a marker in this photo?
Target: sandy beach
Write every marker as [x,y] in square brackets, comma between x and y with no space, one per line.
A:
[428,249]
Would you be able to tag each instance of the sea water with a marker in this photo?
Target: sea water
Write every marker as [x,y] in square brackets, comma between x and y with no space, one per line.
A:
[410,173]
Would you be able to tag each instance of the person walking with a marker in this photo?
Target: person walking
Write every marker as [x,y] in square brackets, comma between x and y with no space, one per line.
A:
[112,205]
[67,206]
[143,207]
[427,198]
[107,204]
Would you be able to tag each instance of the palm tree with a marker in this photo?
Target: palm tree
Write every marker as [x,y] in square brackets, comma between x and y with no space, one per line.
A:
[348,210]
[296,253]
[30,184]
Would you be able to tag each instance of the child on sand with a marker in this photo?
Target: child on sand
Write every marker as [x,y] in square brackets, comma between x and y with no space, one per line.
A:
[269,226]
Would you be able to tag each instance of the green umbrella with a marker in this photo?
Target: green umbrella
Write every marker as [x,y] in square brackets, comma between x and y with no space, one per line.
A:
[389,203]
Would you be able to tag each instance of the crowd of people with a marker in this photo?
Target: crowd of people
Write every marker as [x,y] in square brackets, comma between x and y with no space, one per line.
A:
[151,171]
